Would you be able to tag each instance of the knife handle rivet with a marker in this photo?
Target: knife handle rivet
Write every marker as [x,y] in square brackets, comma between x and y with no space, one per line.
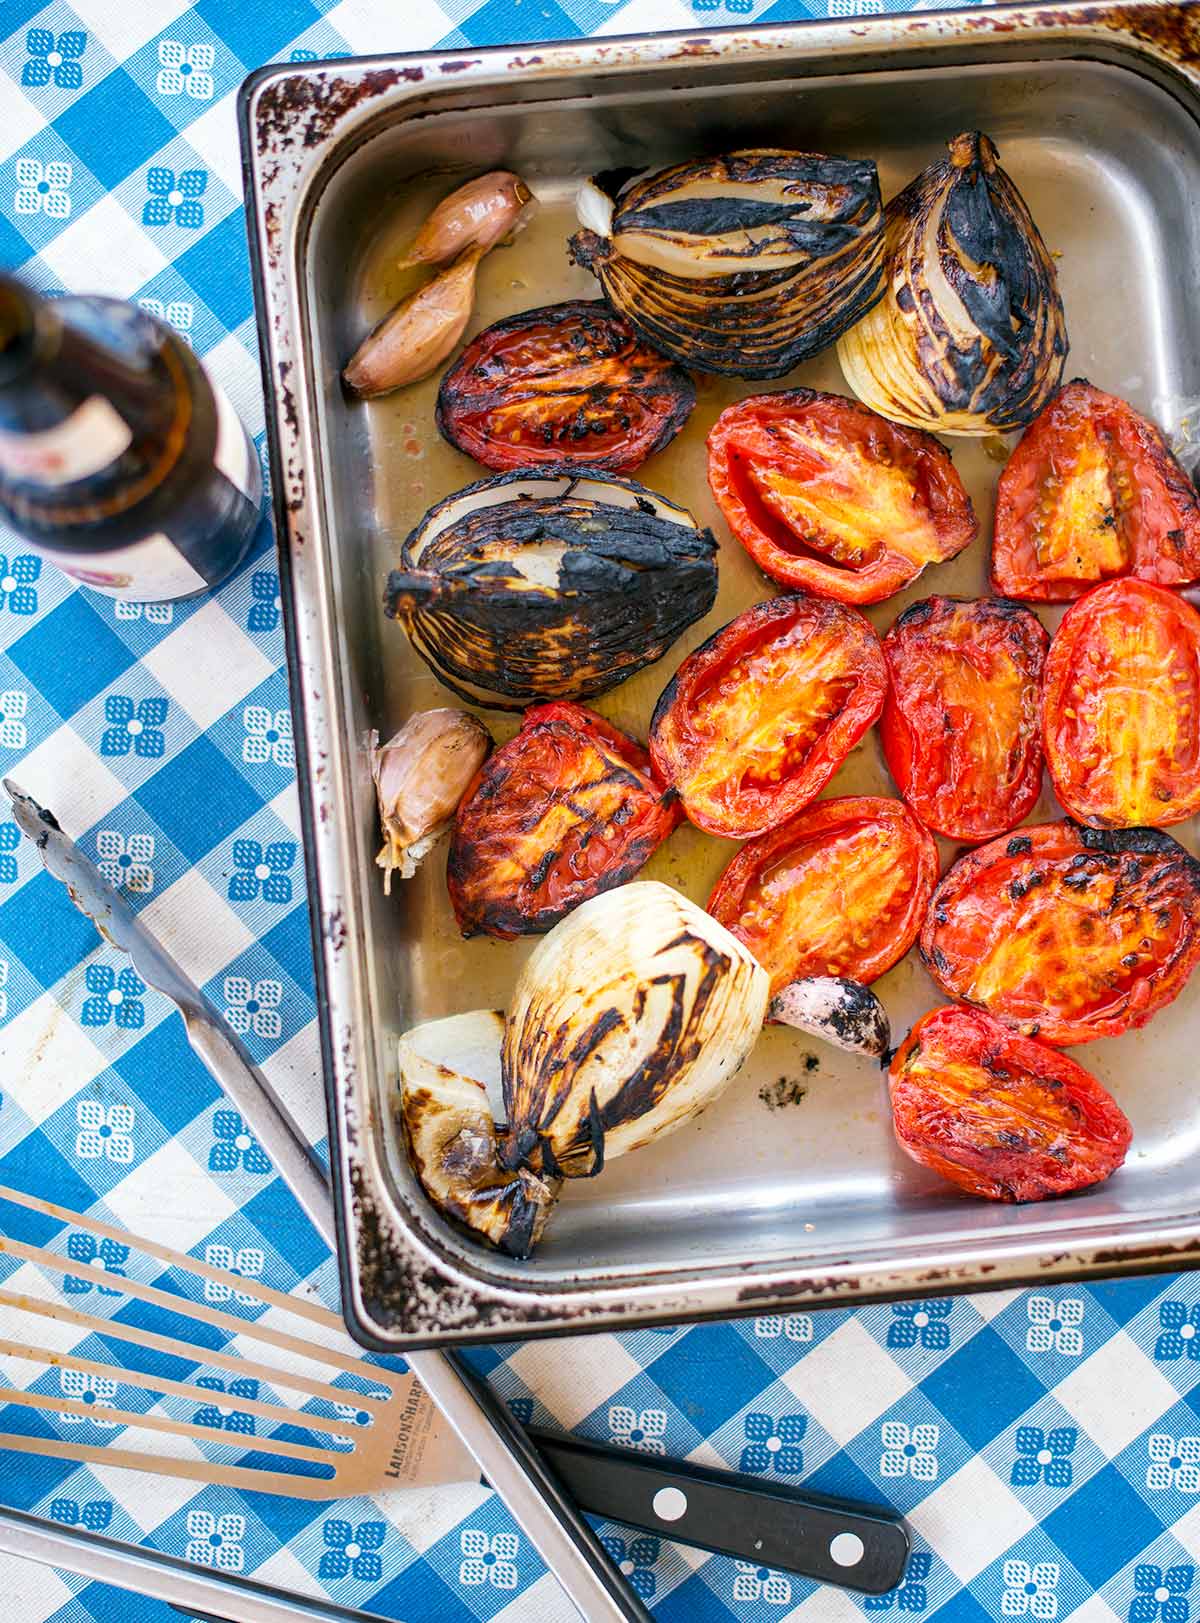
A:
[846,1549]
[669,1504]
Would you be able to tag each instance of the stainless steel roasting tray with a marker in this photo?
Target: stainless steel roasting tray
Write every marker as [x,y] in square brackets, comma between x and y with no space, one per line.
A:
[760,1203]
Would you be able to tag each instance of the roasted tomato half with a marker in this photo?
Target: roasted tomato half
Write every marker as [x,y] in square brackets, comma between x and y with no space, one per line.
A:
[1121,707]
[756,721]
[840,890]
[1065,932]
[825,494]
[566,809]
[567,383]
[961,726]
[1092,492]
[1000,1115]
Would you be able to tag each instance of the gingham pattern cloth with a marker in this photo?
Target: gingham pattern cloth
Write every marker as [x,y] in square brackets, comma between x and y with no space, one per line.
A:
[1045,1445]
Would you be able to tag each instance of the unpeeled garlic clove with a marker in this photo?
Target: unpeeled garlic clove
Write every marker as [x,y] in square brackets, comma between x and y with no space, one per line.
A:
[420,776]
[419,334]
[842,1012]
[478,215]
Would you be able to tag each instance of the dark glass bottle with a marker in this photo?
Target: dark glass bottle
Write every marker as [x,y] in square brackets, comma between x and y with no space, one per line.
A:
[120,460]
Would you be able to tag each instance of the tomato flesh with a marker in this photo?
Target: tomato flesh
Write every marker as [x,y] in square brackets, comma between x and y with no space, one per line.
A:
[839,890]
[961,726]
[1000,1115]
[1066,932]
[758,719]
[565,383]
[1122,707]
[1092,492]
[827,495]
[566,809]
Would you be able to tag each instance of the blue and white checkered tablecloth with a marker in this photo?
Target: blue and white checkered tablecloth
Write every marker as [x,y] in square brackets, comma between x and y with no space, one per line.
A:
[1045,1446]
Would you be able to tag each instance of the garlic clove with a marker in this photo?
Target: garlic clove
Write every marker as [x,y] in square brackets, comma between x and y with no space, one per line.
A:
[421,775]
[418,335]
[478,214]
[594,208]
[841,1012]
[450,1132]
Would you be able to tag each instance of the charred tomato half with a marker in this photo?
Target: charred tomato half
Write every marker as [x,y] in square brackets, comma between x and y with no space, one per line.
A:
[566,809]
[757,720]
[1001,1115]
[840,890]
[1065,932]
[568,382]
[961,725]
[827,495]
[1092,492]
[1121,709]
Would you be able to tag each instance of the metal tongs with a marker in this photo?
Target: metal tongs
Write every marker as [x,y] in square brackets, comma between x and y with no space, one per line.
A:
[507,1458]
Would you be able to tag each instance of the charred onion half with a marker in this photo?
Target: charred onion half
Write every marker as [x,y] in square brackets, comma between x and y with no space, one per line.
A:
[555,585]
[628,1019]
[970,336]
[743,264]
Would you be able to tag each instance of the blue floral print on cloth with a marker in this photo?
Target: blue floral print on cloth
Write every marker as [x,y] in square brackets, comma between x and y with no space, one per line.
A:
[1045,1445]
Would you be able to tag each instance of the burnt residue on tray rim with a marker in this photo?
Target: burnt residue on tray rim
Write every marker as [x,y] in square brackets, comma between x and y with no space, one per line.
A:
[417,1298]
[317,101]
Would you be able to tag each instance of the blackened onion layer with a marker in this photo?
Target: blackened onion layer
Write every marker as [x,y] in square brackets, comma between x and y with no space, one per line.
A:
[970,336]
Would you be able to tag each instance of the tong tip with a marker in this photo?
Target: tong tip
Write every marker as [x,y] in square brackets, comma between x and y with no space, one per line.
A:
[31,818]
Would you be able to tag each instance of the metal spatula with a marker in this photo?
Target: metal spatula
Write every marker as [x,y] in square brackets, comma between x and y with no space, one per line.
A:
[502,1450]
[304,1376]
[367,1427]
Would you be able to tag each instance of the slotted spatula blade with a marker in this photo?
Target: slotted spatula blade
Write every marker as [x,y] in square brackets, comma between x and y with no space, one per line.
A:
[505,1455]
[291,1359]
[337,1426]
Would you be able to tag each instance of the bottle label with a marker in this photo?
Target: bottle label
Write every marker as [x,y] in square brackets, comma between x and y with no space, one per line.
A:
[152,569]
[91,438]
[235,454]
[149,571]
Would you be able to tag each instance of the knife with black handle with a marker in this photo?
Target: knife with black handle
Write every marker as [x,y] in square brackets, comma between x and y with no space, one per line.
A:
[773,1525]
